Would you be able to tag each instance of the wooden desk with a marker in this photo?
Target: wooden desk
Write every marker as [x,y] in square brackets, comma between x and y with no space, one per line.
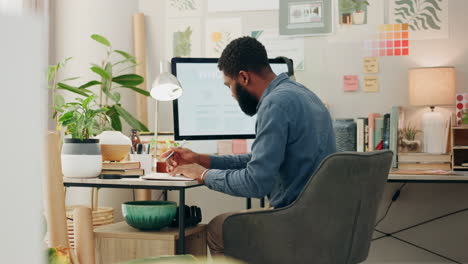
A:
[143,184]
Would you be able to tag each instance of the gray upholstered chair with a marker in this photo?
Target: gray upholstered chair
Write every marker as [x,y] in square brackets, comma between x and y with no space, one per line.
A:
[331,221]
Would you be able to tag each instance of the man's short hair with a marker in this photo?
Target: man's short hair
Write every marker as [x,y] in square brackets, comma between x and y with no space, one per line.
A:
[243,54]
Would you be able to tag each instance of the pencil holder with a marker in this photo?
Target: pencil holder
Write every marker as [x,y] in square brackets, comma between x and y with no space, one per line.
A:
[146,161]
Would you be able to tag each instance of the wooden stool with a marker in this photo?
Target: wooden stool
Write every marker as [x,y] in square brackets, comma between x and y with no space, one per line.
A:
[120,242]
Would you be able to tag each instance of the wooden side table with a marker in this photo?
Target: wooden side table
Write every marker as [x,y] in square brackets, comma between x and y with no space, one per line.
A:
[120,242]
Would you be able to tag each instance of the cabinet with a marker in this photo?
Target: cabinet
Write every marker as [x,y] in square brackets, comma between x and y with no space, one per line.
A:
[459,147]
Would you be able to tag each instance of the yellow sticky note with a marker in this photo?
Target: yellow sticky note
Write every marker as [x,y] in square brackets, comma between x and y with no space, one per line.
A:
[371,65]
[371,84]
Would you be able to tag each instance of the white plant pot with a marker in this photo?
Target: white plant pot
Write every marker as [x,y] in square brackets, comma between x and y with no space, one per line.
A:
[81,159]
[359,17]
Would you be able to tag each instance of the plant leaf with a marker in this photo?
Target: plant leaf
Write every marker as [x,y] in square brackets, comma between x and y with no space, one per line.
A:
[66,116]
[87,101]
[132,121]
[128,79]
[51,72]
[100,71]
[67,87]
[59,101]
[430,21]
[115,119]
[138,90]
[126,55]
[116,96]
[89,84]
[70,79]
[101,40]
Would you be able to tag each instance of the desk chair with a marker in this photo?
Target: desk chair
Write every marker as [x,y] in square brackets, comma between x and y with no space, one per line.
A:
[331,221]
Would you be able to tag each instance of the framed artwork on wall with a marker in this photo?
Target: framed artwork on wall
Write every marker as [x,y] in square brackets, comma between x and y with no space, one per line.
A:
[305,17]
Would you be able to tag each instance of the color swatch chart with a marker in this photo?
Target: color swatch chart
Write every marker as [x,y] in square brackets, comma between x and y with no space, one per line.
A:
[390,40]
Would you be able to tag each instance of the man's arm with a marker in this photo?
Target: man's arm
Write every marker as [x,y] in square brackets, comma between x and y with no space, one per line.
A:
[268,151]
[226,162]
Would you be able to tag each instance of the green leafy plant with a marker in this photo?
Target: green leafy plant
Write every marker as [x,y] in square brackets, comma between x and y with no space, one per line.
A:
[409,132]
[359,5]
[346,6]
[110,81]
[80,118]
[418,14]
[184,5]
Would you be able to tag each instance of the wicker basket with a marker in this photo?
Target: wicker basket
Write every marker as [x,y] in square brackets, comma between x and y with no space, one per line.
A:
[101,216]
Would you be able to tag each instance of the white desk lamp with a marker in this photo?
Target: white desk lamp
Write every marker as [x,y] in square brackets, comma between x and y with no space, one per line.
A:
[166,87]
[432,87]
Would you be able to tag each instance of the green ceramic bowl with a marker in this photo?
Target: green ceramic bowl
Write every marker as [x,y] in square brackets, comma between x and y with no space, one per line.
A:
[149,215]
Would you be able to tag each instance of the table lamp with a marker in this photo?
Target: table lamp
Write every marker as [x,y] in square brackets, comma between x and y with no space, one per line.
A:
[165,87]
[432,87]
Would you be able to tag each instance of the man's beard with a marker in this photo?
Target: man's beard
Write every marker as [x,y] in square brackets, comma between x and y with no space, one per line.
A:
[247,102]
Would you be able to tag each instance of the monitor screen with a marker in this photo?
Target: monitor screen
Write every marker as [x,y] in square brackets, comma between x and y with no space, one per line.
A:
[206,110]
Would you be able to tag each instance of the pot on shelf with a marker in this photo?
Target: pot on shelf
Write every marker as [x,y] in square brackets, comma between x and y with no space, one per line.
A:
[115,146]
[81,158]
[359,17]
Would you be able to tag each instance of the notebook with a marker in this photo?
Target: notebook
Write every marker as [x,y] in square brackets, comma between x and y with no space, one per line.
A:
[165,177]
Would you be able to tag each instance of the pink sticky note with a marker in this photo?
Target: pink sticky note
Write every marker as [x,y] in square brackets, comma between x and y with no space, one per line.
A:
[224,147]
[350,83]
[239,146]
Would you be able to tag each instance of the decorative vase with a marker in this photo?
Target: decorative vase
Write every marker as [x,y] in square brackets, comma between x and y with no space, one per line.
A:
[81,158]
[359,17]
[410,145]
[345,133]
[115,146]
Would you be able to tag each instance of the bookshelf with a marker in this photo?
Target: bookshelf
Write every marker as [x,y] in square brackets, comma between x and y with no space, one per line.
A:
[459,147]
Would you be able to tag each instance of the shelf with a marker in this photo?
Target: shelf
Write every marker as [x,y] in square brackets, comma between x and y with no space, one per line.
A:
[460,167]
[460,147]
[460,127]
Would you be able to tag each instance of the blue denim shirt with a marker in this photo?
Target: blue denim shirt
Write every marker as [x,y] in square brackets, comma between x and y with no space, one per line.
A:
[293,134]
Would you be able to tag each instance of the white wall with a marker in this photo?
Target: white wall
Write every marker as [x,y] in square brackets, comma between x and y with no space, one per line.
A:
[23,131]
[74,23]
[327,59]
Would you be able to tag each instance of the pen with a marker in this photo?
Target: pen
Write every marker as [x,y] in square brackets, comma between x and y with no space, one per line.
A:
[172,153]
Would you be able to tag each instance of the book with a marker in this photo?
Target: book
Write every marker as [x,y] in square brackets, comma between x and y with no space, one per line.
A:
[378,133]
[138,172]
[423,166]
[371,130]
[366,134]
[393,141]
[166,177]
[121,165]
[424,157]
[386,131]
[360,127]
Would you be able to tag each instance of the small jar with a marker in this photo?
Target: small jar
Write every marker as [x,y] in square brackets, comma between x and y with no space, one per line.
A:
[135,138]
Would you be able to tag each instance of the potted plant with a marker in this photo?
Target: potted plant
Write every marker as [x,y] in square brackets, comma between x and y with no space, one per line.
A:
[359,15]
[408,142]
[110,82]
[346,8]
[81,154]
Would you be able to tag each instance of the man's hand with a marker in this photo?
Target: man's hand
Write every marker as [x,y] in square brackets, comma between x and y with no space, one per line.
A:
[182,156]
[193,171]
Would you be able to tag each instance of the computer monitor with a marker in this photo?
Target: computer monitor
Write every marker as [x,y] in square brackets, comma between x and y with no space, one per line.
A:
[206,110]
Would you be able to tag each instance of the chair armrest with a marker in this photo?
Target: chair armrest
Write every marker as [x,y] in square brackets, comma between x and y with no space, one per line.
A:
[250,233]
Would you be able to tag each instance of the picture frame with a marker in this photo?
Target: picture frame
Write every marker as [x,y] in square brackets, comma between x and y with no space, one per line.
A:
[306,17]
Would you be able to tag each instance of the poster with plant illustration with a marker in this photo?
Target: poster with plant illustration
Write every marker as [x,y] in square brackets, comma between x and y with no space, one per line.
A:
[219,32]
[426,19]
[183,8]
[353,12]
[183,38]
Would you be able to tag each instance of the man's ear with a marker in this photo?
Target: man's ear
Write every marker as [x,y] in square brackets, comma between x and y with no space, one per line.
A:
[243,78]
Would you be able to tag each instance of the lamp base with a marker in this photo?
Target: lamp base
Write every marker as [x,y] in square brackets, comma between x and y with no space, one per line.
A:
[435,132]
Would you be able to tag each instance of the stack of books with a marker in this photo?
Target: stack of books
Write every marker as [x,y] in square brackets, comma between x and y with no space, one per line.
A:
[122,169]
[424,161]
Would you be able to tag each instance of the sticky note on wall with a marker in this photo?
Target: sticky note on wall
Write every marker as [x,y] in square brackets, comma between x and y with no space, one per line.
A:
[350,83]
[371,84]
[225,147]
[239,146]
[371,65]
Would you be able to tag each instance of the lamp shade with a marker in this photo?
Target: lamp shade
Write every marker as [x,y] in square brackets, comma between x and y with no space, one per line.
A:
[431,86]
[166,87]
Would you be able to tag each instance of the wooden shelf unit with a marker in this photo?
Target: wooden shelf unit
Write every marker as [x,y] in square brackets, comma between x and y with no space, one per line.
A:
[459,147]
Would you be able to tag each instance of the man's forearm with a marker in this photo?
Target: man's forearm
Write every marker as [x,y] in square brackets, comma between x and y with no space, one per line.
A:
[204,160]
